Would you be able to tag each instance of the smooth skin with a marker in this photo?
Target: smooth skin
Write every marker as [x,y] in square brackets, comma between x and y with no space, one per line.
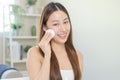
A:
[39,67]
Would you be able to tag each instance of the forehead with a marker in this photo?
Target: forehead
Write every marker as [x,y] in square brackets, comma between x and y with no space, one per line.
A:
[57,15]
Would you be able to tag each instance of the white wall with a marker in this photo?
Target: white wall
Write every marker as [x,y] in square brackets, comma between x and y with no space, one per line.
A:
[96,26]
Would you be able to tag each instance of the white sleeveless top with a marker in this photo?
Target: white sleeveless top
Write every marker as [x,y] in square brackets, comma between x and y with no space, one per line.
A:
[67,74]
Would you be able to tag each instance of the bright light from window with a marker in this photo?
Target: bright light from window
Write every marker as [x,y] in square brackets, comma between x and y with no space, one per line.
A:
[1,19]
[2,4]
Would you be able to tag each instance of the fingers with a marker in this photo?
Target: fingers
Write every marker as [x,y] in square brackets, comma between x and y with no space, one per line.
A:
[46,38]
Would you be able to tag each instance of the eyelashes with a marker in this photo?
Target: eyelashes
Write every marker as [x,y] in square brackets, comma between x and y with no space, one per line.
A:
[57,24]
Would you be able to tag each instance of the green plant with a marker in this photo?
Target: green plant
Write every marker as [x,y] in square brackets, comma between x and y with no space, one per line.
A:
[16,9]
[33,30]
[27,48]
[31,2]
[15,26]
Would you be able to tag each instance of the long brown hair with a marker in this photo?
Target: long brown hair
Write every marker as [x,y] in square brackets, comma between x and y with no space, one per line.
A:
[71,52]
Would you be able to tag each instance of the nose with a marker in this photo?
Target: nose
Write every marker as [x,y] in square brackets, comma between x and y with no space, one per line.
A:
[62,27]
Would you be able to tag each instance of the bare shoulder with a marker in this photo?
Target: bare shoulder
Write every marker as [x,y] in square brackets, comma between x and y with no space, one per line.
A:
[80,55]
[34,53]
[80,58]
[34,61]
[34,49]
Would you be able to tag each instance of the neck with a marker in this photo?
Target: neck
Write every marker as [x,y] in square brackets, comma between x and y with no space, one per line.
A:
[58,48]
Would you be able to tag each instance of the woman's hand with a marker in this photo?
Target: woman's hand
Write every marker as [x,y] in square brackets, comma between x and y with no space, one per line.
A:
[44,44]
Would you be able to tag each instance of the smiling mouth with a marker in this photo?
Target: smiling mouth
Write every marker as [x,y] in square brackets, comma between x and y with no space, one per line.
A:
[62,36]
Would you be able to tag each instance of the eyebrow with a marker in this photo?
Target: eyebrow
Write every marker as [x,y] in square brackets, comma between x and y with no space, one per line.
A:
[66,18]
[58,20]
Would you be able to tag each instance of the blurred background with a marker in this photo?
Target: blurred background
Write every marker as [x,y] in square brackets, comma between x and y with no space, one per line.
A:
[96,33]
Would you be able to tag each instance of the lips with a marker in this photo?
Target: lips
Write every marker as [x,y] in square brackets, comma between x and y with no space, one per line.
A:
[62,36]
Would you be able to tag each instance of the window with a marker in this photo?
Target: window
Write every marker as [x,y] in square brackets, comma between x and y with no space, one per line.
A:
[1,19]
[4,3]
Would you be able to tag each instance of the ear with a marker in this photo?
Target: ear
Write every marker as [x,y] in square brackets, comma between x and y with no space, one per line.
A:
[44,28]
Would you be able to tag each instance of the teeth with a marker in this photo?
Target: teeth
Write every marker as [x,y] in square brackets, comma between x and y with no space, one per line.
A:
[61,34]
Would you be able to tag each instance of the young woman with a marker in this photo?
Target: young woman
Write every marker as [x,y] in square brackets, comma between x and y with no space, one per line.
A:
[55,58]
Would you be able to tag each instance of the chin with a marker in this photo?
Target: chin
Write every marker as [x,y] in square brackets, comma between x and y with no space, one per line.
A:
[62,41]
[58,41]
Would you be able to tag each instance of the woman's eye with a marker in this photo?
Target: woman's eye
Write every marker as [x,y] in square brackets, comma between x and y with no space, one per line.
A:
[65,22]
[55,24]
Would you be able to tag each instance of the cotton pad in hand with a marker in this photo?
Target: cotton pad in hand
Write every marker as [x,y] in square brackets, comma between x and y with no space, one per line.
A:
[51,31]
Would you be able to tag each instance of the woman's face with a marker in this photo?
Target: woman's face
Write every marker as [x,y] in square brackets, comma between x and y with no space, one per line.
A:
[59,22]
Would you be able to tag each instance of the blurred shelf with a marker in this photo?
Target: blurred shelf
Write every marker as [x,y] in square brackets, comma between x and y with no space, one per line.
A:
[24,73]
[16,61]
[12,43]
[32,15]
[21,37]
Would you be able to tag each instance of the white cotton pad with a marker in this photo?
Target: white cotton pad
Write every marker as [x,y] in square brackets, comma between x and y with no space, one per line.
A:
[51,31]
